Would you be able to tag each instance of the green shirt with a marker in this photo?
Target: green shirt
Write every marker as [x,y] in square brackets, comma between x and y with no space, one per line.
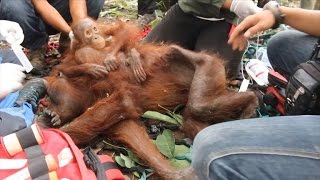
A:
[207,9]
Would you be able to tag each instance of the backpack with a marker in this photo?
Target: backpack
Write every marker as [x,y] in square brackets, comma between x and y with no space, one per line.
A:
[35,153]
[303,88]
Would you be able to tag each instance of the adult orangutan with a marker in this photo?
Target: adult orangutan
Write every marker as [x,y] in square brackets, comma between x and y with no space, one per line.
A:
[112,106]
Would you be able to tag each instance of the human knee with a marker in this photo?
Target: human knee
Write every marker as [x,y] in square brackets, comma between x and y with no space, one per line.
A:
[279,44]
[275,43]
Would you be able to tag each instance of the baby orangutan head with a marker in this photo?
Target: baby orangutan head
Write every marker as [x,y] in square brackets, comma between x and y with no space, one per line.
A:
[87,32]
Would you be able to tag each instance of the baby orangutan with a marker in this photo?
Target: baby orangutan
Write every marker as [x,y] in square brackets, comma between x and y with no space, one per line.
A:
[94,43]
[113,106]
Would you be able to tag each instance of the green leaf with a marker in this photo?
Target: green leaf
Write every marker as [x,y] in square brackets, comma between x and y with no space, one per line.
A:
[120,161]
[177,117]
[181,150]
[179,164]
[165,143]
[154,22]
[135,173]
[187,157]
[133,156]
[174,115]
[129,163]
[158,116]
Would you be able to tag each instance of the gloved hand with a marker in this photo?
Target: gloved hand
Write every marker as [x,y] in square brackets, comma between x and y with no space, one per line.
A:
[244,8]
[11,32]
[11,77]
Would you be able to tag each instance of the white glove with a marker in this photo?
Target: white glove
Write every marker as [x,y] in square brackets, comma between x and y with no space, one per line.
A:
[244,8]
[11,32]
[11,77]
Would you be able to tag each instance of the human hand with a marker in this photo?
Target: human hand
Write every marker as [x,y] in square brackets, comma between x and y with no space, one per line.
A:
[11,77]
[244,8]
[11,32]
[250,26]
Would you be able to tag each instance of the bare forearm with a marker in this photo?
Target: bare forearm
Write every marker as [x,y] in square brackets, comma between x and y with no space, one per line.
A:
[51,16]
[78,9]
[302,20]
[227,4]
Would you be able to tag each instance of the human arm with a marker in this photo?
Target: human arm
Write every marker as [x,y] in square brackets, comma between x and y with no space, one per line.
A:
[300,19]
[78,9]
[51,16]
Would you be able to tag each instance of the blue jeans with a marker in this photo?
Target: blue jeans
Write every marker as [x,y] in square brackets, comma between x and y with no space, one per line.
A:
[35,30]
[286,147]
[289,48]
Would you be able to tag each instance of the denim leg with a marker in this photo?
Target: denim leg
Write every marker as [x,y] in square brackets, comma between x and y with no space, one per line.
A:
[286,147]
[287,49]
[22,12]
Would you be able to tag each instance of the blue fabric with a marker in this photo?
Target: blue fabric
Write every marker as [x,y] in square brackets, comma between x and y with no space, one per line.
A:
[278,148]
[289,48]
[7,56]
[24,111]
[9,100]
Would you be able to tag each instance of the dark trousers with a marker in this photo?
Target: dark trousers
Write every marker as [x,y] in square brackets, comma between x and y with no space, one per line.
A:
[146,6]
[35,30]
[197,34]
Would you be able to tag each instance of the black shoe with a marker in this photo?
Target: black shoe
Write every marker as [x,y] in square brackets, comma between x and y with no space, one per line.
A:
[38,61]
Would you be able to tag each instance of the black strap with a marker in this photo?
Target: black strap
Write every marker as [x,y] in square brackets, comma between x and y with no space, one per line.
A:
[315,55]
[43,177]
[93,162]
[33,151]
[109,165]
[26,138]
[38,167]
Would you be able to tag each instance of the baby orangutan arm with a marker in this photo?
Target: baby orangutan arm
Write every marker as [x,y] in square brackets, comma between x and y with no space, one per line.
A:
[94,70]
[124,37]
[89,60]
[134,61]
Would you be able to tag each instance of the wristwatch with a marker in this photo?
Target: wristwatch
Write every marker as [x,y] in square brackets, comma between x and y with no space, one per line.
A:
[274,7]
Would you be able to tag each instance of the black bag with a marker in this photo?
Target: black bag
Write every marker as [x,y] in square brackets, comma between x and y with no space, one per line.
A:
[303,88]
